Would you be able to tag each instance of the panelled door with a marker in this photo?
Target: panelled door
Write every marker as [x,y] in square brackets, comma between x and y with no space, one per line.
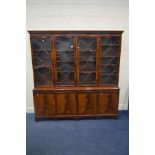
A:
[107,103]
[87,103]
[44,104]
[66,104]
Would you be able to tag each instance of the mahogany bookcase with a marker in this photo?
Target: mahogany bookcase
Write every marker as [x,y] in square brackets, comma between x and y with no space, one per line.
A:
[76,73]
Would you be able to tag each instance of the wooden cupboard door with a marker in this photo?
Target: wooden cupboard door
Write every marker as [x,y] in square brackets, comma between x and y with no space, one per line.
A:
[107,103]
[44,104]
[87,103]
[66,104]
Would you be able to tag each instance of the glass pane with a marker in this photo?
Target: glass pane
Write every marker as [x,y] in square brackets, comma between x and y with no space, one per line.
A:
[64,43]
[111,40]
[41,52]
[110,51]
[87,44]
[65,60]
[65,66]
[65,56]
[108,80]
[43,76]
[65,78]
[87,66]
[109,69]
[87,78]
[87,56]
[87,60]
[110,60]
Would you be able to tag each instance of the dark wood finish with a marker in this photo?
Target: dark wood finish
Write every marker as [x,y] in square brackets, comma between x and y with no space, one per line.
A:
[77,89]
[79,56]
[87,103]
[107,103]
[66,104]
[77,63]
[44,104]
[75,32]
[54,61]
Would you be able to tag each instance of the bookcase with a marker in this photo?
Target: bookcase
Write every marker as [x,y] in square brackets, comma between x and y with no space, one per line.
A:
[76,73]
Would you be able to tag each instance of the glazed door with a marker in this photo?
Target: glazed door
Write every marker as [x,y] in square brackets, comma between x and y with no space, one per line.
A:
[41,46]
[109,60]
[65,60]
[87,48]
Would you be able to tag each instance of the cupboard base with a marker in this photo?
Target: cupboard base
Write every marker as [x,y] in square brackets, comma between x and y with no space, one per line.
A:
[76,117]
[76,104]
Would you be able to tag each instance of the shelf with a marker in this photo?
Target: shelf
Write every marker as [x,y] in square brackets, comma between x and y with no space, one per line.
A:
[66,61]
[117,56]
[109,56]
[93,83]
[71,83]
[106,74]
[61,51]
[110,45]
[114,84]
[87,61]
[42,49]
[88,51]
[37,67]
[108,64]
[58,70]
[87,71]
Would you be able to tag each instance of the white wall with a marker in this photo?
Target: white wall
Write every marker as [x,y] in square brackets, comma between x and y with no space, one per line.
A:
[79,15]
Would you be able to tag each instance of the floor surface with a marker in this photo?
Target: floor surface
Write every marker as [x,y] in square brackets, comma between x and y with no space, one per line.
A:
[83,137]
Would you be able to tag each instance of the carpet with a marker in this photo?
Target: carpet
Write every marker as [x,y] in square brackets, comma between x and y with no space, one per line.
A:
[83,137]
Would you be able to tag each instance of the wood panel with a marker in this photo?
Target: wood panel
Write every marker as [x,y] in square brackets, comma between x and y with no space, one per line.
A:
[44,104]
[107,103]
[87,103]
[66,103]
